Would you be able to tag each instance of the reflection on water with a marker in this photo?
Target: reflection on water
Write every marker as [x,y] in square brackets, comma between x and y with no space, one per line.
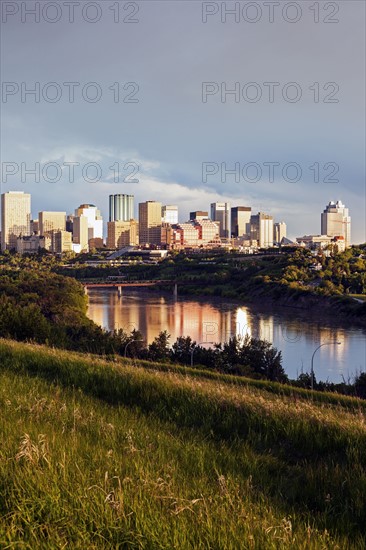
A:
[295,336]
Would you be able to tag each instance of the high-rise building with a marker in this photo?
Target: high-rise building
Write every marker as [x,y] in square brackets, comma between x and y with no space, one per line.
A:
[121,208]
[279,232]
[169,214]
[51,221]
[121,234]
[240,220]
[95,220]
[69,223]
[15,218]
[336,221]
[198,215]
[150,222]
[61,241]
[261,229]
[220,212]
[34,227]
[81,232]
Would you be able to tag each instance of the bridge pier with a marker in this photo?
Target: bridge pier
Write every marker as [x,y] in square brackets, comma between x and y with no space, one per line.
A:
[119,290]
[175,290]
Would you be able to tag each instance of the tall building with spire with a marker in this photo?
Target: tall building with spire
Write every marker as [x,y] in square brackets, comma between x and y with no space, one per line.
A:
[15,218]
[336,221]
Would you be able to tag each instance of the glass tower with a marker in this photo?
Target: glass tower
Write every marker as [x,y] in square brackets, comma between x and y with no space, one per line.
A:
[121,208]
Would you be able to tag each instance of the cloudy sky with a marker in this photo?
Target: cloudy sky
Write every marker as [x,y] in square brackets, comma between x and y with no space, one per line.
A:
[147,92]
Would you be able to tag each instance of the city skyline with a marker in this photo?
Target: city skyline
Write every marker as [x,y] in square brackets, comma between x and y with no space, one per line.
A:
[174,127]
[88,225]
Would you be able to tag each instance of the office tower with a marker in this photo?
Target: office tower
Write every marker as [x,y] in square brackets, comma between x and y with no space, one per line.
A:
[61,241]
[261,229]
[69,223]
[81,232]
[121,234]
[34,227]
[240,220]
[198,215]
[51,221]
[15,218]
[121,208]
[150,222]
[169,214]
[95,220]
[279,232]
[336,221]
[220,212]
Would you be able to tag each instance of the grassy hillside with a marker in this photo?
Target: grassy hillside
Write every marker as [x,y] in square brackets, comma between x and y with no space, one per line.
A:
[97,454]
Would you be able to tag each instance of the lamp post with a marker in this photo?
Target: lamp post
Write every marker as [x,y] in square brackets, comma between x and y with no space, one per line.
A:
[192,350]
[312,359]
[126,346]
[130,342]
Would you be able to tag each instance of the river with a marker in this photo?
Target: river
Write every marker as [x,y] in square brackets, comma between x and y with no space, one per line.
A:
[294,332]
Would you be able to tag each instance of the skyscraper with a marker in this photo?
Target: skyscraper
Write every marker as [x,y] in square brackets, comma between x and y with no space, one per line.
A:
[240,220]
[121,234]
[15,218]
[261,229]
[51,221]
[198,215]
[150,222]
[81,232]
[121,208]
[220,212]
[95,220]
[279,232]
[336,221]
[169,214]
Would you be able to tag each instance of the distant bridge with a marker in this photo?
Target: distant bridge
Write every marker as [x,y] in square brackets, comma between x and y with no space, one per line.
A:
[128,284]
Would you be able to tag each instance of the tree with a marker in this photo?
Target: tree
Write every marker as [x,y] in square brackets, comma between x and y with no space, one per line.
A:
[182,349]
[159,349]
[360,385]
[263,358]
[135,346]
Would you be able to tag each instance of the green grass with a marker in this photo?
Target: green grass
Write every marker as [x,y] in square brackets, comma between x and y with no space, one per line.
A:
[102,455]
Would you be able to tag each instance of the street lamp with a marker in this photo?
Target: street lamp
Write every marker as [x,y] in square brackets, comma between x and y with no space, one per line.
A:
[130,342]
[192,350]
[312,359]
[126,346]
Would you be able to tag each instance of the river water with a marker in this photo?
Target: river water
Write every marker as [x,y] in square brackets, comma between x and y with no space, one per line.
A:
[292,331]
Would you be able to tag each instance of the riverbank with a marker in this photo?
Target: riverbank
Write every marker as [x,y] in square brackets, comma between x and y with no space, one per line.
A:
[338,310]
[293,331]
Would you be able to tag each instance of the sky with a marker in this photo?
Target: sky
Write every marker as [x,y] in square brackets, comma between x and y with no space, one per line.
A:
[137,95]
